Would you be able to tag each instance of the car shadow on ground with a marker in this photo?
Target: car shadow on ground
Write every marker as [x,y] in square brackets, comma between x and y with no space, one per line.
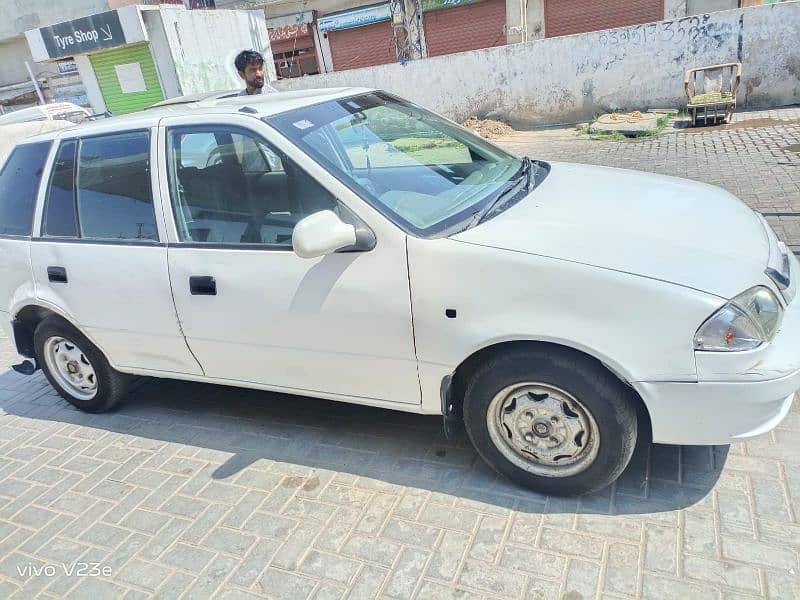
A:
[246,426]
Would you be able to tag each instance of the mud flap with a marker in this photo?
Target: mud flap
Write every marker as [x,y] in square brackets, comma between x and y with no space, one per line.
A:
[452,415]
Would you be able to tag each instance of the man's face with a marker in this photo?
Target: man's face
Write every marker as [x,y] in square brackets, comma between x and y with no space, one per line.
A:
[253,76]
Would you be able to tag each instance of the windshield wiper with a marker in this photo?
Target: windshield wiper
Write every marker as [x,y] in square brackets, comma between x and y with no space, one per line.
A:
[525,174]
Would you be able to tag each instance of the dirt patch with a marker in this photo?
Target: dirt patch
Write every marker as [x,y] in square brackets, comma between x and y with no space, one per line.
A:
[488,128]
[792,148]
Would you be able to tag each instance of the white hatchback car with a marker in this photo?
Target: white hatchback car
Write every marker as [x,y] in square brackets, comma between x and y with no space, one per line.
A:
[350,245]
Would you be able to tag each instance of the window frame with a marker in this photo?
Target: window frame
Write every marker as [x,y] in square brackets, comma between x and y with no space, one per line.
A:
[46,197]
[152,158]
[222,127]
[39,189]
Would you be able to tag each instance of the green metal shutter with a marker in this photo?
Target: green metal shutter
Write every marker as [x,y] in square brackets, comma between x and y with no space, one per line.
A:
[104,65]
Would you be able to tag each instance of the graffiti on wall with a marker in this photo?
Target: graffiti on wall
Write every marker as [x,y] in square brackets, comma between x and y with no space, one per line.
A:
[699,33]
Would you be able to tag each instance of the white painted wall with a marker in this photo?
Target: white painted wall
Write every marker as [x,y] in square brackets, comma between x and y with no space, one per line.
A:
[13,54]
[571,78]
[697,7]
[162,53]
[204,43]
[91,84]
[675,9]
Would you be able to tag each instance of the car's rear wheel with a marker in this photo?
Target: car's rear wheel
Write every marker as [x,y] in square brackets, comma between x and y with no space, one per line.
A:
[76,368]
[551,419]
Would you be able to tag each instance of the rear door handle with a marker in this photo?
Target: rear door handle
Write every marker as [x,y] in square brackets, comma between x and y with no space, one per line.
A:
[202,285]
[57,274]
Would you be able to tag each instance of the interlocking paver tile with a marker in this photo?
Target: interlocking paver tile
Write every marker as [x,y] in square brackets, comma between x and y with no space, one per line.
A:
[492,579]
[330,566]
[229,541]
[188,557]
[371,549]
[285,585]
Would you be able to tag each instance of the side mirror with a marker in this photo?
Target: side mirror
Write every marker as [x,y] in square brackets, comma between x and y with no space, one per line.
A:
[324,233]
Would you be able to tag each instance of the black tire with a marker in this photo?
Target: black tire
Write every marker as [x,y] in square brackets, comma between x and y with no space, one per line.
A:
[607,399]
[111,384]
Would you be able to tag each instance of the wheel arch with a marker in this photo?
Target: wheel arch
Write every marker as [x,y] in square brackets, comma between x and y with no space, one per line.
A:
[27,317]
[454,385]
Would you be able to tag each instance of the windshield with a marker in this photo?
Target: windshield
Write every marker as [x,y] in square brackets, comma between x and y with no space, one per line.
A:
[424,173]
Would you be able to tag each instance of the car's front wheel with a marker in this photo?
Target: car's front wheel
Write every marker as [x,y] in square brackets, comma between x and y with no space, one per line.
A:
[551,419]
[76,368]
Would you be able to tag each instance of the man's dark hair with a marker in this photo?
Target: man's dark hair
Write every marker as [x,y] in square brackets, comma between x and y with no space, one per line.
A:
[248,57]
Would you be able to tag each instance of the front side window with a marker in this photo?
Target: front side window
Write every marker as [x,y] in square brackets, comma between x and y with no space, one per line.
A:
[19,184]
[426,174]
[230,187]
[114,195]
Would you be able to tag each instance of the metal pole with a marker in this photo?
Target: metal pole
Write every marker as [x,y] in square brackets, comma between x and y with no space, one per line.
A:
[35,83]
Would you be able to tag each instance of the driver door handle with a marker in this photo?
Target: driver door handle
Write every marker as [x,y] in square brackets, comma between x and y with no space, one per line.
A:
[202,285]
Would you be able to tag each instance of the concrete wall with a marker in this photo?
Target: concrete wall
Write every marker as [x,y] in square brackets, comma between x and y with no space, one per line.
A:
[17,16]
[697,7]
[571,78]
[675,9]
[162,53]
[14,52]
[204,43]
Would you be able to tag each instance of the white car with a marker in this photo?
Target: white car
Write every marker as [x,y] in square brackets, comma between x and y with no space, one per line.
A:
[55,111]
[350,245]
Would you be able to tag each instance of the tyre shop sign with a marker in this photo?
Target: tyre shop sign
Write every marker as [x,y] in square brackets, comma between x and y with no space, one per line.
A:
[96,32]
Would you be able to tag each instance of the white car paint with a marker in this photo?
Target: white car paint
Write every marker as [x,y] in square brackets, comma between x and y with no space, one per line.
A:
[55,111]
[640,223]
[620,265]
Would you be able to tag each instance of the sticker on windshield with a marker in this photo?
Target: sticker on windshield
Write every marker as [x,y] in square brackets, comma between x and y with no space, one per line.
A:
[304,124]
[355,105]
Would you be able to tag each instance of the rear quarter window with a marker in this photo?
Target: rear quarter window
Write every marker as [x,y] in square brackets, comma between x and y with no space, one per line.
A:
[19,183]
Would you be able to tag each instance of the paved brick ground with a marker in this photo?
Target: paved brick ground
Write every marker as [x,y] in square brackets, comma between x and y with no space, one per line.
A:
[208,491]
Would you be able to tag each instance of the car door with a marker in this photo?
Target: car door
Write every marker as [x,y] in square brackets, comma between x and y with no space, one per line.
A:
[98,256]
[251,309]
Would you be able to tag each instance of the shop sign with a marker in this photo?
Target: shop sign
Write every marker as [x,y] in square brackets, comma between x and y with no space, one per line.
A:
[67,66]
[434,4]
[87,34]
[288,32]
[354,18]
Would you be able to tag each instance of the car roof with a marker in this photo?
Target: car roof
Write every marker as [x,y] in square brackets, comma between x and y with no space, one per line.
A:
[216,103]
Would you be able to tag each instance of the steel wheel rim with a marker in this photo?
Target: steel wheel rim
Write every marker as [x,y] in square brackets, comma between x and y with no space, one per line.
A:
[70,367]
[543,429]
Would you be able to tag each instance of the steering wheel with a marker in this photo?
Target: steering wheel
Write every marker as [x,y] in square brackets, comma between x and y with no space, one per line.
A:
[215,157]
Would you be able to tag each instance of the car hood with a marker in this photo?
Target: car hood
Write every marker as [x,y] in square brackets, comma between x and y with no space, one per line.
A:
[665,228]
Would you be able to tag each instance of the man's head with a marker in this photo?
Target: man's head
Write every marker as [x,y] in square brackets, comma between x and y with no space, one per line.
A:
[250,65]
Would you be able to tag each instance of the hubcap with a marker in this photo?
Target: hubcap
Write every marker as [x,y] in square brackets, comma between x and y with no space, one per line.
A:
[543,429]
[70,367]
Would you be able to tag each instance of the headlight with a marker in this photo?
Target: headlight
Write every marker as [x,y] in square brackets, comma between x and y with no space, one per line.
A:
[750,319]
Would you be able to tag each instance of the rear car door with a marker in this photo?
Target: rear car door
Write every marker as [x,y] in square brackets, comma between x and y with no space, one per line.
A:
[98,255]
[20,177]
[251,309]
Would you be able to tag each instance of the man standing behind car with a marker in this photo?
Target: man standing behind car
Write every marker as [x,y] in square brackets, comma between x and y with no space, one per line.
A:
[250,66]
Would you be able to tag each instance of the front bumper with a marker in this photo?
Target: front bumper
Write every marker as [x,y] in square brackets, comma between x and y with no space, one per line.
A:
[737,395]
[717,412]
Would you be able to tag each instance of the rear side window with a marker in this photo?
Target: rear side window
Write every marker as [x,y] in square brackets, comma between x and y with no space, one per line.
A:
[114,194]
[59,216]
[19,183]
